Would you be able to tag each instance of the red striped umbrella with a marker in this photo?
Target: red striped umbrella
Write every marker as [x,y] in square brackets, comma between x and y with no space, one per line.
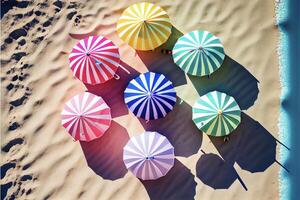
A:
[94,60]
[86,116]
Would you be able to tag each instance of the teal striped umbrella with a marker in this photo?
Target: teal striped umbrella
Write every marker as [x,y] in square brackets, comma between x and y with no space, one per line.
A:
[216,113]
[198,53]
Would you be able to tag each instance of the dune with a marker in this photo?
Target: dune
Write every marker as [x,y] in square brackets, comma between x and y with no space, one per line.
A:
[39,160]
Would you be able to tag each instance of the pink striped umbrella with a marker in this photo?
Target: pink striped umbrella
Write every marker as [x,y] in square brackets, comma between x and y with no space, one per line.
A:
[86,116]
[94,60]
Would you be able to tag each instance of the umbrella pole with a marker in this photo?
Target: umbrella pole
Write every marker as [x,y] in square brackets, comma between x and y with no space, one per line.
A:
[181,101]
[282,166]
[97,62]
[116,76]
[122,67]
[241,181]
[226,138]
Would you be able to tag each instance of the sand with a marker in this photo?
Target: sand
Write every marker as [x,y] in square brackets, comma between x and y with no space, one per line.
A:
[39,160]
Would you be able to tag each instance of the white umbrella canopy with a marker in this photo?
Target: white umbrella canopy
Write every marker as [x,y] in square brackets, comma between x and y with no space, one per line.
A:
[149,155]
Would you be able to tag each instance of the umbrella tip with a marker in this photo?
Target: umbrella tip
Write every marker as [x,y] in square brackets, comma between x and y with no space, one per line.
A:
[88,54]
[149,157]
[219,112]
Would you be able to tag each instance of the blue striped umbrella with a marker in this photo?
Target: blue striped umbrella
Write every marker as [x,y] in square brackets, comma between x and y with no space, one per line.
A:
[150,96]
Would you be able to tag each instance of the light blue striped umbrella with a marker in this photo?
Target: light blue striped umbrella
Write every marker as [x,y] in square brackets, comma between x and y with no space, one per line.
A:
[198,53]
[150,96]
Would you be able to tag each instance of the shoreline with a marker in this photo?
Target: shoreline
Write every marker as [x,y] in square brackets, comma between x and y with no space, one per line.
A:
[286,14]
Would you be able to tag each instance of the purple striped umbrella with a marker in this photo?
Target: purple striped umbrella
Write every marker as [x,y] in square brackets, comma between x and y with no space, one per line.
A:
[149,155]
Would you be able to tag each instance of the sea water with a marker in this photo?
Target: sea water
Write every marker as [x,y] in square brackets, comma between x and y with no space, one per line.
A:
[288,20]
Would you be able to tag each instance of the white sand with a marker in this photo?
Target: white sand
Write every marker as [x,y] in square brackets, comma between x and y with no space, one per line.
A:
[43,161]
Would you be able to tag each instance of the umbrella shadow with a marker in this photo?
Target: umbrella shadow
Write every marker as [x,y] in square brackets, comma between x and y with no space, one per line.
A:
[177,184]
[179,128]
[231,78]
[105,154]
[112,91]
[162,63]
[169,44]
[251,146]
[215,172]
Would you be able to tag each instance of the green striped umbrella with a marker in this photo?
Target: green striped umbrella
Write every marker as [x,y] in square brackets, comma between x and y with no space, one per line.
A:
[216,113]
[198,53]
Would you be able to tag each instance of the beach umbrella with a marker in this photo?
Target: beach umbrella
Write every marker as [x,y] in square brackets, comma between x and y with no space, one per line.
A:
[198,53]
[149,155]
[94,60]
[86,116]
[150,96]
[144,26]
[216,114]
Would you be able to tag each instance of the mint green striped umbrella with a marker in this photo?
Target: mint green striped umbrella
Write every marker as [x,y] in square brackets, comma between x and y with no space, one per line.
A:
[216,113]
[198,53]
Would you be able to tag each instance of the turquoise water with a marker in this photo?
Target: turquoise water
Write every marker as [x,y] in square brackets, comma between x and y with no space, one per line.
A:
[288,18]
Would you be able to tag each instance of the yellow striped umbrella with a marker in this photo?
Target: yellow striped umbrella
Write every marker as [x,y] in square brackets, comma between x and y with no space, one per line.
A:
[144,26]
